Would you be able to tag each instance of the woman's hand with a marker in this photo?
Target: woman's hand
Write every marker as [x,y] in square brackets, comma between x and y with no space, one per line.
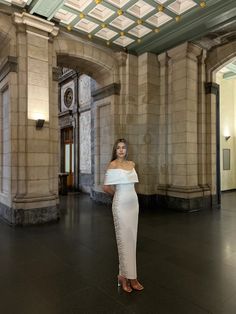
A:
[108,189]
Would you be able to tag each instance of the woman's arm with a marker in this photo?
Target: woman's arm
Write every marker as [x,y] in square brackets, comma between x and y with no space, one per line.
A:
[109,189]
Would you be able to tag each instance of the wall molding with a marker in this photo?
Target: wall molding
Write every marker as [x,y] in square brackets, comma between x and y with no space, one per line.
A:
[212,88]
[101,93]
[10,64]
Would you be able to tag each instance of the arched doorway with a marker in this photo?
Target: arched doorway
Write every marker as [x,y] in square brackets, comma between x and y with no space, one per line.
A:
[86,103]
[226,79]
[218,58]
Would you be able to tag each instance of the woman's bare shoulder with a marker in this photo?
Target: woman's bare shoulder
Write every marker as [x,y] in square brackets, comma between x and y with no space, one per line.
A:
[112,165]
[132,163]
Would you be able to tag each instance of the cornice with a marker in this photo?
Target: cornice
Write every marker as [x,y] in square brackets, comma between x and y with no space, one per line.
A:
[187,49]
[36,22]
[112,89]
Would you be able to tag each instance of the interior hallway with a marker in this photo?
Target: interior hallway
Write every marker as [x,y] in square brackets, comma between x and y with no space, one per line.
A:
[186,261]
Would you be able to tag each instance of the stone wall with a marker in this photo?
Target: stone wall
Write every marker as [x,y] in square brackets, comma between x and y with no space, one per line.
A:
[33,165]
[161,104]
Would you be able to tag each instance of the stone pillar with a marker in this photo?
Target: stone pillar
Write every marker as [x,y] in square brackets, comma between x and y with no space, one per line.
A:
[164,125]
[34,182]
[147,148]
[213,142]
[126,121]
[185,191]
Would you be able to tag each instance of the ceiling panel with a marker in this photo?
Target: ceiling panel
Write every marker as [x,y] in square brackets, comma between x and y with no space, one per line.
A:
[137,26]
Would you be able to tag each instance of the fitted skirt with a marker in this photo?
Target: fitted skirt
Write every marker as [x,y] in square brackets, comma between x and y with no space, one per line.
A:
[125,210]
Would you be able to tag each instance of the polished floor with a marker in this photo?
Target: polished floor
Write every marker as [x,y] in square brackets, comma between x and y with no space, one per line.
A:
[187,263]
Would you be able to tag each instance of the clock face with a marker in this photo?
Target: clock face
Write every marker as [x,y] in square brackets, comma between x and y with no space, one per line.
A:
[68,97]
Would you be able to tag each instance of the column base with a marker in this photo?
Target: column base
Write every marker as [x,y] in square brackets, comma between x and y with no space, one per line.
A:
[165,201]
[20,216]
[187,205]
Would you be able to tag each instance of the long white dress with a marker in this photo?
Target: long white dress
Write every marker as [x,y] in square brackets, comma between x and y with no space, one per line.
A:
[125,211]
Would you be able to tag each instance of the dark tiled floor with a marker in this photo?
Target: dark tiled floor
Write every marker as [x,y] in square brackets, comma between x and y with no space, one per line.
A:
[187,263]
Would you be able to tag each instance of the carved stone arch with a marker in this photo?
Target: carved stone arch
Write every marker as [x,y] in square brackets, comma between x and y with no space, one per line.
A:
[99,63]
[103,65]
[218,57]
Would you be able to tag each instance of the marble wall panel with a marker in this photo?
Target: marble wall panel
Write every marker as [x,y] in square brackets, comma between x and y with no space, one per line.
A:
[85,142]
[84,91]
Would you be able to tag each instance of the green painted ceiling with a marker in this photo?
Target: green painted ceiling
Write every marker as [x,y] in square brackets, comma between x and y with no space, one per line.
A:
[136,26]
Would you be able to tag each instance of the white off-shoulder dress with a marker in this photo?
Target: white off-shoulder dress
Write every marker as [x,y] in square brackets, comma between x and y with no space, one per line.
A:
[125,210]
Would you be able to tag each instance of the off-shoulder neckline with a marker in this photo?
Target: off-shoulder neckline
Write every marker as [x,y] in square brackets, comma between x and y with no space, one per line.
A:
[120,169]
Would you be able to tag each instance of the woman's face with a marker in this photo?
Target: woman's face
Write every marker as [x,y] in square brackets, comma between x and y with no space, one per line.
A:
[121,150]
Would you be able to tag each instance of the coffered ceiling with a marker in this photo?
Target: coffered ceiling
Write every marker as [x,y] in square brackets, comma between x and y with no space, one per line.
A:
[136,26]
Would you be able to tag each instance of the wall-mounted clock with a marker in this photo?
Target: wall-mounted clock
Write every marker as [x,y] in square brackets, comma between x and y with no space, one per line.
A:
[68,97]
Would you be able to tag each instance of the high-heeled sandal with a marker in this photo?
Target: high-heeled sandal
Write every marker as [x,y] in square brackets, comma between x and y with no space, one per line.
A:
[137,285]
[124,283]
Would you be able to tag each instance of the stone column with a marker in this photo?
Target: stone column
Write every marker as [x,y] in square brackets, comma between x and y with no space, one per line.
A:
[35,185]
[184,191]
[147,148]
[164,125]
[126,113]
[213,142]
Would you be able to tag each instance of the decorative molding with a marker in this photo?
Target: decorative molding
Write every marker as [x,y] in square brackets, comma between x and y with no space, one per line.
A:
[85,108]
[121,58]
[185,50]
[8,65]
[112,89]
[69,75]
[56,73]
[65,119]
[36,22]
[212,88]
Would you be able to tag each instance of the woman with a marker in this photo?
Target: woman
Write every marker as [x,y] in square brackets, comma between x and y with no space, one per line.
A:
[119,181]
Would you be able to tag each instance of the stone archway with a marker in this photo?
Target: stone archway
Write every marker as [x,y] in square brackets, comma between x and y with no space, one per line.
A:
[103,67]
[216,59]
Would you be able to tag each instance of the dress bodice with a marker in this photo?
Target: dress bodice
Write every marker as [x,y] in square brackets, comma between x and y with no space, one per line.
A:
[120,176]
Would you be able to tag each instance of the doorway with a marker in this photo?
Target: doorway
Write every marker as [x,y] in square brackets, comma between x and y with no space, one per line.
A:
[68,154]
[226,78]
